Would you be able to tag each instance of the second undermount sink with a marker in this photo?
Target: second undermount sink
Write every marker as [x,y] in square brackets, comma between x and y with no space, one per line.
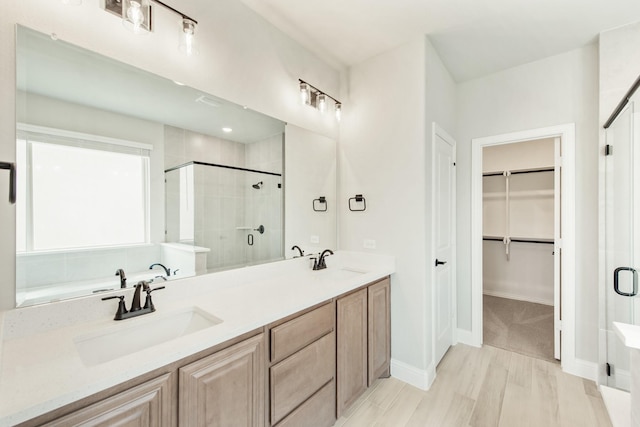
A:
[141,333]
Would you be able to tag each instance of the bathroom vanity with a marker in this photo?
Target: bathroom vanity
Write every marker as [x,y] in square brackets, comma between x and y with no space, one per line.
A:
[275,344]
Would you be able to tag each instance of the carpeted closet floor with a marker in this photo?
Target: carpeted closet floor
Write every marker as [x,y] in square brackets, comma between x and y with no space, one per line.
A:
[519,326]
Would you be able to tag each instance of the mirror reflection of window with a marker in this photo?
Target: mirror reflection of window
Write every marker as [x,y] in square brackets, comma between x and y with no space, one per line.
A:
[107,206]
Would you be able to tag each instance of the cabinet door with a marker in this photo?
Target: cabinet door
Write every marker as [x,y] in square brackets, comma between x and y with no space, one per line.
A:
[225,389]
[351,348]
[379,329]
[149,404]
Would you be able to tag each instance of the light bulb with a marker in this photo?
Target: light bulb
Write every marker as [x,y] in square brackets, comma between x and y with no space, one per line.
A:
[187,37]
[134,15]
[338,111]
[321,102]
[305,93]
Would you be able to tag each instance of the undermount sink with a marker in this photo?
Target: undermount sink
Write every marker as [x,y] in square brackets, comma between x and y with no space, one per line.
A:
[141,333]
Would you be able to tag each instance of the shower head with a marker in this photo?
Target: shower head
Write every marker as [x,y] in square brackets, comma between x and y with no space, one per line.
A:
[258,185]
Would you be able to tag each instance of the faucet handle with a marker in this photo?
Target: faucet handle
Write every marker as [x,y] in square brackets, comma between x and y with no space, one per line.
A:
[148,303]
[122,309]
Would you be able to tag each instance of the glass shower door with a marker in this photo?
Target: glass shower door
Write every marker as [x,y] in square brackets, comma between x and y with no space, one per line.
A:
[622,224]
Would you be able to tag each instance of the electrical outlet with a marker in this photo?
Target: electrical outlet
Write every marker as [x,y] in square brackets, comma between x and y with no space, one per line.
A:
[369,244]
[315,239]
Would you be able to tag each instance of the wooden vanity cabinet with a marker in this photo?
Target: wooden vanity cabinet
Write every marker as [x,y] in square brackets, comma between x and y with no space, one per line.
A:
[147,405]
[302,369]
[379,329]
[225,389]
[363,341]
[318,362]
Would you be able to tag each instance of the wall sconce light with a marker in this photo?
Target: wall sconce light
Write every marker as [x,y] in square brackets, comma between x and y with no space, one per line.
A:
[305,93]
[311,95]
[321,102]
[136,16]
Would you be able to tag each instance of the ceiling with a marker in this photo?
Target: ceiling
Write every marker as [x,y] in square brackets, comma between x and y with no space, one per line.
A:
[473,37]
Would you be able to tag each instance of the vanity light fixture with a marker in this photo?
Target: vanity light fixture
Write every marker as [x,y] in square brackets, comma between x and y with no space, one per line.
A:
[188,37]
[305,93]
[311,95]
[321,102]
[136,16]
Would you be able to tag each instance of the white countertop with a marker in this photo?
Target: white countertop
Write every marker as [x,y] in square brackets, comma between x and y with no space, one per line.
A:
[629,334]
[41,369]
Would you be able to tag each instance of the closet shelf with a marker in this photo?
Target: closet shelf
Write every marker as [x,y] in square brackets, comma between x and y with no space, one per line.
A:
[520,171]
[520,239]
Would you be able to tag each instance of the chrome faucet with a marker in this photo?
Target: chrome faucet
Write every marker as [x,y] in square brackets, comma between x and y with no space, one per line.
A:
[166,270]
[319,263]
[299,251]
[136,309]
[123,278]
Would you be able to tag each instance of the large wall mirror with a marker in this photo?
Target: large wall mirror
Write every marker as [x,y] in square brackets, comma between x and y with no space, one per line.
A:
[123,174]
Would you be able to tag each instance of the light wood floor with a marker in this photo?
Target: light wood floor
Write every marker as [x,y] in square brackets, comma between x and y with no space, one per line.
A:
[483,387]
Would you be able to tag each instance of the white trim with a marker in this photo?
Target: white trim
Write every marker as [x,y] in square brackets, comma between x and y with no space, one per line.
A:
[581,368]
[566,133]
[83,136]
[518,297]
[436,130]
[411,375]
[465,337]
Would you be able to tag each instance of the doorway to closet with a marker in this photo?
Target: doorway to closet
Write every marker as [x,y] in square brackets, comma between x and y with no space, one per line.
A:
[564,246]
[520,269]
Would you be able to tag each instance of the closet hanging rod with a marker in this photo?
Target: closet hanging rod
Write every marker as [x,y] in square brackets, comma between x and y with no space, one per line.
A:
[517,172]
[499,239]
[622,103]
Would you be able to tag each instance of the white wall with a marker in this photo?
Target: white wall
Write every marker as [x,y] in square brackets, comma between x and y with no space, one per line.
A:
[556,90]
[384,154]
[310,172]
[242,58]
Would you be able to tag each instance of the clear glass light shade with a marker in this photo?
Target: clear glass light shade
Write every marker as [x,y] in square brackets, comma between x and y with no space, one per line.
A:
[305,93]
[321,102]
[188,37]
[338,111]
[136,15]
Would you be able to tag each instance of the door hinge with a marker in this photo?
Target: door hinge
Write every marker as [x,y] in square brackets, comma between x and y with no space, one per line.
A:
[608,368]
[608,150]
[559,325]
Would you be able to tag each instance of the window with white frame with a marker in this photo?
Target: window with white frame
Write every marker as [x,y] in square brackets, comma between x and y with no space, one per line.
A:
[80,193]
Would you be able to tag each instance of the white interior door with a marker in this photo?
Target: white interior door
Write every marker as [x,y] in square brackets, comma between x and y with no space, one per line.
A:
[444,219]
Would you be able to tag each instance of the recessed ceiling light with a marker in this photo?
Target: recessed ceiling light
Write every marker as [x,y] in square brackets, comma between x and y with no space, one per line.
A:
[227,130]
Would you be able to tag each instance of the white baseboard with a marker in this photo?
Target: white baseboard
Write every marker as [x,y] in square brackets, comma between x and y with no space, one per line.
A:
[518,297]
[411,375]
[581,368]
[466,337]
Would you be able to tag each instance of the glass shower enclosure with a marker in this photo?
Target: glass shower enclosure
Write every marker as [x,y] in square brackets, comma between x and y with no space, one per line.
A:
[622,238]
[234,212]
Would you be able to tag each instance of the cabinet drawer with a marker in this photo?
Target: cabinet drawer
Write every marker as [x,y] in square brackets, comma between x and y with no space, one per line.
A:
[318,411]
[293,335]
[298,377]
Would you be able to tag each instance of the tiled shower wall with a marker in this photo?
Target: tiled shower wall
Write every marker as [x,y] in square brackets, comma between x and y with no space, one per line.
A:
[227,207]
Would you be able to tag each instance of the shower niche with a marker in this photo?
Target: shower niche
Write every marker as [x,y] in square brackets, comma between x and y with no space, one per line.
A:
[229,208]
